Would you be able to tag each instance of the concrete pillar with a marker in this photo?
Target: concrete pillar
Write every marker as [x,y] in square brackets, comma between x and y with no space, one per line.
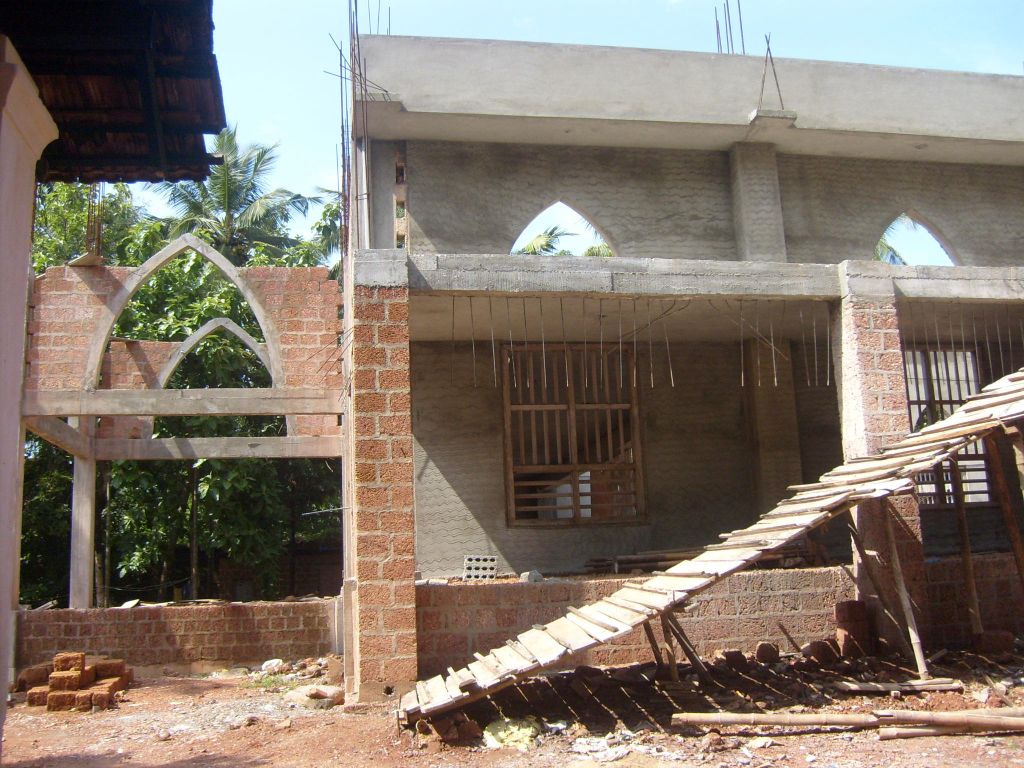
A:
[756,203]
[873,413]
[25,129]
[83,526]
[771,418]
[380,594]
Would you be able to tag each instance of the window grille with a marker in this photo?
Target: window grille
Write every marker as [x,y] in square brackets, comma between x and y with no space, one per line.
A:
[572,435]
[939,380]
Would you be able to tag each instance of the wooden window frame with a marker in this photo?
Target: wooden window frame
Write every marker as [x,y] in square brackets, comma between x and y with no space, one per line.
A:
[553,359]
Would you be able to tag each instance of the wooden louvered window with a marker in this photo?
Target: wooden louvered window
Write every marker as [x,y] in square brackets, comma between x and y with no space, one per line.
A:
[572,436]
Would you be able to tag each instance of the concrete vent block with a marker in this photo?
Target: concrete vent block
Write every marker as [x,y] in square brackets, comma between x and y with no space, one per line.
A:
[480,567]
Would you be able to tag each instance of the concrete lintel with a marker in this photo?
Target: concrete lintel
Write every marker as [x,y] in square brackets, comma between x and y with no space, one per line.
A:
[384,268]
[865,279]
[618,275]
[965,283]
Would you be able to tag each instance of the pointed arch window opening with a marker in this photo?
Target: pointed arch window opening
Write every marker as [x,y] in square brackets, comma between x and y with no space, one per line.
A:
[562,230]
[911,240]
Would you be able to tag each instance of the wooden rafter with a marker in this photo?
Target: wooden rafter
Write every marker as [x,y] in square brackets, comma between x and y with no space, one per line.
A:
[181,402]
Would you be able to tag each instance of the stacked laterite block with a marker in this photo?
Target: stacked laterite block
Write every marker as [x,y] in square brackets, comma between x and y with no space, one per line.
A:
[75,681]
[873,406]
[383,534]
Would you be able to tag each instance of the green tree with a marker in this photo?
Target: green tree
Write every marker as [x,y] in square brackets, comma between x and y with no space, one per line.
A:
[884,250]
[62,211]
[546,243]
[233,209]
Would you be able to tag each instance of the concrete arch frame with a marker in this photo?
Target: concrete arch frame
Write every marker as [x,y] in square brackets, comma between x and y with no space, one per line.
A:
[570,203]
[117,303]
[209,328]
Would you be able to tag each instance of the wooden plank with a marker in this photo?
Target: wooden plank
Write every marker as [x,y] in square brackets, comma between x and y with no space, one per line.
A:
[654,601]
[594,619]
[512,661]
[630,617]
[437,694]
[410,704]
[273,401]
[451,682]
[542,645]
[569,635]
[172,448]
[484,675]
[421,693]
[589,625]
[60,434]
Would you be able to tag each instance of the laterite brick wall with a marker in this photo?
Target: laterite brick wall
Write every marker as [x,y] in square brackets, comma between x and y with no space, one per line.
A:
[455,620]
[1000,598]
[226,633]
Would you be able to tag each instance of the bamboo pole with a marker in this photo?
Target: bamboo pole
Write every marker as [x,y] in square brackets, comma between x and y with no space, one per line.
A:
[904,595]
[688,648]
[655,649]
[971,719]
[966,557]
[876,585]
[995,463]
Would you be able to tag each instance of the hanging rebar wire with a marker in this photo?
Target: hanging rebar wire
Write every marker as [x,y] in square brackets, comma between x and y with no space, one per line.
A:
[600,344]
[803,346]
[743,42]
[565,341]
[650,344]
[743,362]
[988,347]
[828,345]
[977,349]
[999,344]
[511,344]
[635,363]
[490,322]
[621,366]
[543,348]
[472,338]
[451,359]
[668,348]
[956,357]
[757,344]
[1021,329]
[583,315]
[526,342]
[940,350]
[1009,337]
[771,336]
[814,339]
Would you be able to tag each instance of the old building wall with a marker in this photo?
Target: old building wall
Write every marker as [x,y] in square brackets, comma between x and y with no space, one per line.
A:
[837,208]
[697,463]
[478,198]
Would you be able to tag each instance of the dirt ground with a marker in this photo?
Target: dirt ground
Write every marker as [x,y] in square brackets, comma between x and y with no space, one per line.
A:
[591,717]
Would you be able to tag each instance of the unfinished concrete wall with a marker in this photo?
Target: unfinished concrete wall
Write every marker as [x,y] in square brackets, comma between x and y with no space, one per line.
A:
[478,198]
[696,451]
[455,620]
[837,208]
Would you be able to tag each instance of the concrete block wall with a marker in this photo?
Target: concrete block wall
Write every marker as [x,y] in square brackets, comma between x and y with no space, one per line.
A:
[455,620]
[697,463]
[646,203]
[220,634]
[999,597]
[683,204]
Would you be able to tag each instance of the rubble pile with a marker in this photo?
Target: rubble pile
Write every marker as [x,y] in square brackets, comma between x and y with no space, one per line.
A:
[330,667]
[74,681]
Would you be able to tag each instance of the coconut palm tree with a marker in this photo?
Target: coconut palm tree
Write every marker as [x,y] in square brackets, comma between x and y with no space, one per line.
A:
[884,251]
[545,243]
[233,209]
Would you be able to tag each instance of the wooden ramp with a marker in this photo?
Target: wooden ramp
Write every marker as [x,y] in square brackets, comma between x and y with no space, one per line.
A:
[885,474]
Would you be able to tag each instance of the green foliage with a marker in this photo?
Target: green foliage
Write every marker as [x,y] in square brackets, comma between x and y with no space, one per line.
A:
[233,210]
[601,250]
[246,509]
[62,211]
[546,243]
[46,523]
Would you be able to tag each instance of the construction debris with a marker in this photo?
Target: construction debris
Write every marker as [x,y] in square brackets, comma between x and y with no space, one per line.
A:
[74,681]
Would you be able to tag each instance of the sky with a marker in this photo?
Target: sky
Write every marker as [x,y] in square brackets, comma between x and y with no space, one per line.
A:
[275,56]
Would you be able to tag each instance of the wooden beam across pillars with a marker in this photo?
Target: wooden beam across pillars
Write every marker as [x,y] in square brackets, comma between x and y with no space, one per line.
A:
[60,434]
[181,402]
[171,448]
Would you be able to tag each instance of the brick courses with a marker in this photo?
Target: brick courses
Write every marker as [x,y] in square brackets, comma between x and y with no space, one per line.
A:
[382,478]
[455,620]
[224,633]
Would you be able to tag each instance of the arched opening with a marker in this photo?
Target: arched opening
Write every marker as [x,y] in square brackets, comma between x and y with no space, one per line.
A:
[910,240]
[561,230]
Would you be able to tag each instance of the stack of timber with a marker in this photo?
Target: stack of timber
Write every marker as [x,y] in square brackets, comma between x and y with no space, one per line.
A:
[997,407]
[74,681]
